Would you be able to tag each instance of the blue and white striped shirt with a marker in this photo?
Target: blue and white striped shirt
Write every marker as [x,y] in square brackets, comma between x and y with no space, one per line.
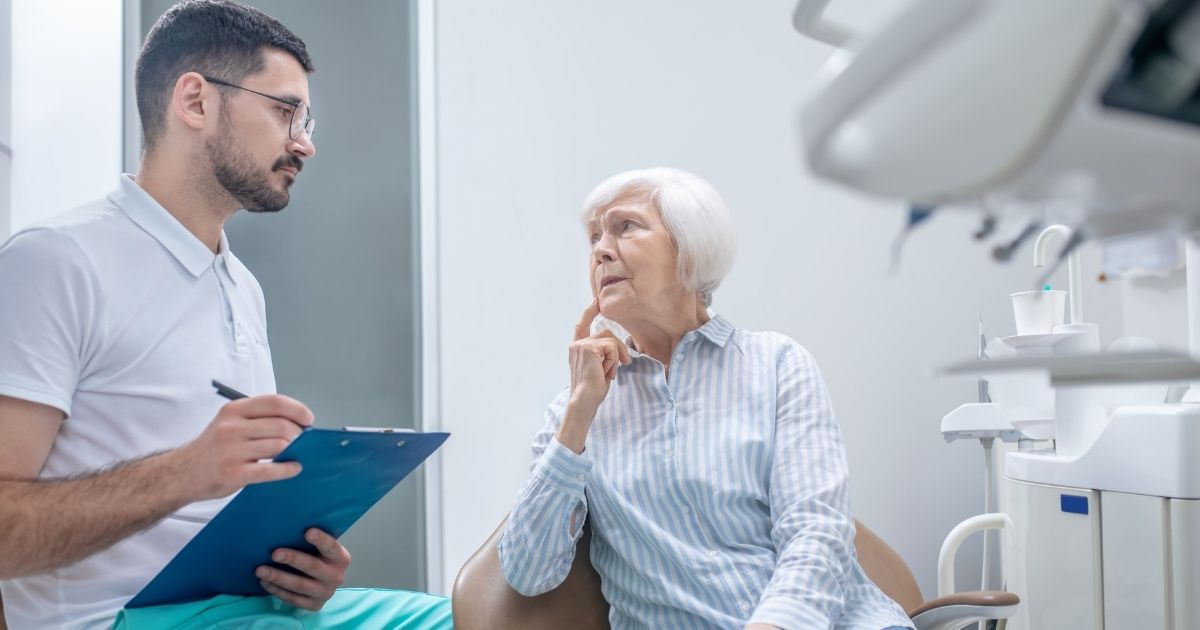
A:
[716,499]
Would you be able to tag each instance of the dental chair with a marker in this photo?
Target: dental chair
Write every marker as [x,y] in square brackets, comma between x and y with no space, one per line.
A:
[482,600]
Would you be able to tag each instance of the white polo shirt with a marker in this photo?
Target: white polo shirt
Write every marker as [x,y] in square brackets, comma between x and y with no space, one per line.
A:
[117,315]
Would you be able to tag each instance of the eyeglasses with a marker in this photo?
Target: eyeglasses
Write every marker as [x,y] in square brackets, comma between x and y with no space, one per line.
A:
[301,122]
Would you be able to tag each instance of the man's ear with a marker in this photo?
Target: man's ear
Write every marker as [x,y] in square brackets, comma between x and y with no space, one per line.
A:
[194,100]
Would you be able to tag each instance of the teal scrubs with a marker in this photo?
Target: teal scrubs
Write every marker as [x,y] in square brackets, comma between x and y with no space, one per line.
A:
[349,608]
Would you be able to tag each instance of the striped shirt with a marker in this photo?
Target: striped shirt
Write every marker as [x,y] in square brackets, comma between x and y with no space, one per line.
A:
[717,498]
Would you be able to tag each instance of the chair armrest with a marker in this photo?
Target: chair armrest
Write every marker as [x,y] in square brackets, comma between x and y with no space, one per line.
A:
[963,609]
[994,520]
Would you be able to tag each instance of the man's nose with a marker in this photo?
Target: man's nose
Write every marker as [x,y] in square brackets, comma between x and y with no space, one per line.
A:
[302,146]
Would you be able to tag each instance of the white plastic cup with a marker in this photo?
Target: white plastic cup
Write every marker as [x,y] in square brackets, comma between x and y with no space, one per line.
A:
[1038,312]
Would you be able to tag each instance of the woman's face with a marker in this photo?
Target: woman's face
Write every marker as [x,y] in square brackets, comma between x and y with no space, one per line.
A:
[633,268]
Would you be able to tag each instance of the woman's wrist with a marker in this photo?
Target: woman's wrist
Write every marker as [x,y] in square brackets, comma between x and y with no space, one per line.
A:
[576,421]
[572,439]
[581,409]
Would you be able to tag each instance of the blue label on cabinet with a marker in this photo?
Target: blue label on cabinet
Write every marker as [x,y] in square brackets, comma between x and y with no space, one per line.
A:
[1073,504]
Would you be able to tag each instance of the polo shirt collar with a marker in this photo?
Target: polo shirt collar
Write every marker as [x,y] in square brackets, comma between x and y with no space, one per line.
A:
[149,215]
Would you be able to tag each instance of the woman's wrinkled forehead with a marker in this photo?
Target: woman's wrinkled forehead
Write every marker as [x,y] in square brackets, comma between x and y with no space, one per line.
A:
[626,199]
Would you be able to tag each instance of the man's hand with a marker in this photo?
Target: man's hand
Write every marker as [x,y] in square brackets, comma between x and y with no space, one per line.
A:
[45,524]
[323,574]
[227,456]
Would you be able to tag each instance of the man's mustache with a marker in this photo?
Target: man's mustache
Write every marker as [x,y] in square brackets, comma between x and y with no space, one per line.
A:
[291,161]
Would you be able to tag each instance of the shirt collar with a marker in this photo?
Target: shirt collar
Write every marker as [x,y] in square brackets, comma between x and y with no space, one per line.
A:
[717,330]
[149,215]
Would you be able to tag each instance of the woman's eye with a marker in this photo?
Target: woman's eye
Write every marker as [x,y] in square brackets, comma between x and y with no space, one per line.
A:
[626,225]
[594,238]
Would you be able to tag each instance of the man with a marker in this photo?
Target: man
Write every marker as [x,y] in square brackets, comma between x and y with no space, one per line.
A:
[114,318]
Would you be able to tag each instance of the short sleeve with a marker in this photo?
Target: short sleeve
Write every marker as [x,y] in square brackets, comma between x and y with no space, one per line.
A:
[49,314]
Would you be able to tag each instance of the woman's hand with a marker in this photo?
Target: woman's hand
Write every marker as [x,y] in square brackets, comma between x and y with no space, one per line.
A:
[594,360]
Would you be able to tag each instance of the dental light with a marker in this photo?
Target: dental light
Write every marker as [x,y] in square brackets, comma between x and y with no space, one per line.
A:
[1083,112]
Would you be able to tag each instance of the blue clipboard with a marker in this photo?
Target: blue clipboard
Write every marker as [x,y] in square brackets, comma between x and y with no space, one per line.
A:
[345,472]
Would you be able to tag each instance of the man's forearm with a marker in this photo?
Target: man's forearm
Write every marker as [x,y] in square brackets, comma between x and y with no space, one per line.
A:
[46,524]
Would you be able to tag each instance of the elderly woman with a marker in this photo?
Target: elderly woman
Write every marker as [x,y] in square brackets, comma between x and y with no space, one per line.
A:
[706,457]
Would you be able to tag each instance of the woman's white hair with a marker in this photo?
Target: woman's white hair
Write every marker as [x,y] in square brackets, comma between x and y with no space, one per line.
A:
[698,219]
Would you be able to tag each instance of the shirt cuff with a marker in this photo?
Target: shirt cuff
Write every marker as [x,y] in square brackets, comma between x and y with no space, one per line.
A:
[785,612]
[563,468]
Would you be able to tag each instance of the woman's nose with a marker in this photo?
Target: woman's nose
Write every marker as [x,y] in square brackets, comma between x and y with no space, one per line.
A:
[604,251]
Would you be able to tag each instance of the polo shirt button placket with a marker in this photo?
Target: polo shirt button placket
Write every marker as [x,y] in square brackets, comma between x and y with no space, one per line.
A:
[240,342]
[241,339]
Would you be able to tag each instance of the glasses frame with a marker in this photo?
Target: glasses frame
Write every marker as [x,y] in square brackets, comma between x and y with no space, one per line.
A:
[308,126]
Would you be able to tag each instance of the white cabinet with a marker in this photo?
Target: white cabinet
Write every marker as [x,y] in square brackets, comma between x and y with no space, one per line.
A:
[1136,561]
[1185,561]
[1092,559]
[1052,557]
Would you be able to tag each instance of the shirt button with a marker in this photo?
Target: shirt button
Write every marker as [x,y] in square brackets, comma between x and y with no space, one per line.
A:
[579,476]
[668,453]
[746,606]
[686,509]
[713,553]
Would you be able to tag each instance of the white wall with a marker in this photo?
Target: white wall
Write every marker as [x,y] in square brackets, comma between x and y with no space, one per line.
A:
[538,101]
[66,105]
[5,113]
[5,72]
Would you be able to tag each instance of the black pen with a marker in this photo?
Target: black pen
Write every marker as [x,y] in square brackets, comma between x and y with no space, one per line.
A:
[227,391]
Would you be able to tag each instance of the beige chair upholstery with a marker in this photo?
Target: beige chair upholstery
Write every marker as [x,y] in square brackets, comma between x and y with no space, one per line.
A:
[886,568]
[483,600]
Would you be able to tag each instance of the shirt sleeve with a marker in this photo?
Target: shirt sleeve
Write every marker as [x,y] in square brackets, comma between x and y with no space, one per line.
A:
[538,543]
[49,304]
[811,525]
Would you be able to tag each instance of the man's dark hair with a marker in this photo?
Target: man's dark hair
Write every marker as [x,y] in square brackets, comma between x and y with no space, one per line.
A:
[217,38]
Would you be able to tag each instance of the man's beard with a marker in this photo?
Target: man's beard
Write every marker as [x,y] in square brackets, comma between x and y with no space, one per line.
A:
[242,181]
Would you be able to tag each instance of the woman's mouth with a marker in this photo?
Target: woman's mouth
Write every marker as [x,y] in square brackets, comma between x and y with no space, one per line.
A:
[608,281]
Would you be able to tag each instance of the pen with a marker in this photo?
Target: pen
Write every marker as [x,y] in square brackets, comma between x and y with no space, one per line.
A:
[227,391]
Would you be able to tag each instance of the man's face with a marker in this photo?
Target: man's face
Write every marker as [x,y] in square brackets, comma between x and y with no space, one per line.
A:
[253,154]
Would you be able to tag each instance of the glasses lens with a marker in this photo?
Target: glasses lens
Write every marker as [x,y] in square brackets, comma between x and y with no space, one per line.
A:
[302,122]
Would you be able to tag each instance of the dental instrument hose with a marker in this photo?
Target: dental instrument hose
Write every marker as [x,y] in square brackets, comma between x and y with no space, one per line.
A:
[917,214]
[1002,253]
[988,534]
